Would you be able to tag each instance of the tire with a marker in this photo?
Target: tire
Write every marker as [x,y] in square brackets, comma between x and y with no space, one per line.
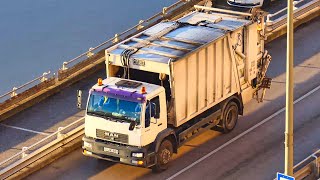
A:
[230,117]
[164,155]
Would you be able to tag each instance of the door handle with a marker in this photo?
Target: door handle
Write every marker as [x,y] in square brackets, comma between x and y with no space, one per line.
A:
[160,124]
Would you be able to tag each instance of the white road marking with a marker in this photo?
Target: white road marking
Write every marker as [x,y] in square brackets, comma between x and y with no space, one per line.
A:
[23,129]
[242,134]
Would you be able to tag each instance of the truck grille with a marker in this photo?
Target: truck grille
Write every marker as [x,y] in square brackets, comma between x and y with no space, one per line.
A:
[111,136]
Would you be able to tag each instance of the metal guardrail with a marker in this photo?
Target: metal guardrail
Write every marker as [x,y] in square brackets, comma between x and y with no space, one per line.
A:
[28,154]
[308,168]
[14,90]
[295,3]
[92,51]
[300,8]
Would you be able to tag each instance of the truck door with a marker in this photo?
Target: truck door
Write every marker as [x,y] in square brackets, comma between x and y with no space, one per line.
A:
[154,120]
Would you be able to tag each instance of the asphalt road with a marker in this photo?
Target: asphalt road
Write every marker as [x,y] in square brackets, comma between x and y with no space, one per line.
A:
[258,154]
[37,122]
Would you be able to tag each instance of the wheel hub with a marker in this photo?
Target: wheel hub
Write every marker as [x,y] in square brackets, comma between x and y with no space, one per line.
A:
[165,156]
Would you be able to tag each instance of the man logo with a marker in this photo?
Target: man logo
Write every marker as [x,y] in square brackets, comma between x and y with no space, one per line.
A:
[111,135]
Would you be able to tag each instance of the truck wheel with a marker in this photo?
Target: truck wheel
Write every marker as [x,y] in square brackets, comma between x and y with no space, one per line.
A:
[164,155]
[230,117]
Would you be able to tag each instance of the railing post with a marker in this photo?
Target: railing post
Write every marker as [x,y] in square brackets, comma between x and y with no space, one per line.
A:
[140,26]
[64,66]
[90,53]
[316,167]
[268,18]
[294,5]
[44,78]
[24,153]
[164,11]
[14,93]
[60,134]
[116,38]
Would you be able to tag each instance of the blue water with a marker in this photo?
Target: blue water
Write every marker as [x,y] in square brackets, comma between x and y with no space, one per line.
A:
[38,35]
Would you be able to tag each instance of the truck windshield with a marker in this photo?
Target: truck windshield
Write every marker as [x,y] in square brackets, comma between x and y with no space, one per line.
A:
[114,108]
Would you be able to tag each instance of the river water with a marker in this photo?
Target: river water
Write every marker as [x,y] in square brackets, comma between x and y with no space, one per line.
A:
[38,35]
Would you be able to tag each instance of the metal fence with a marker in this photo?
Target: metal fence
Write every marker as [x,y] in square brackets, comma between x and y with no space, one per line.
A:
[308,168]
[24,158]
[279,19]
[16,90]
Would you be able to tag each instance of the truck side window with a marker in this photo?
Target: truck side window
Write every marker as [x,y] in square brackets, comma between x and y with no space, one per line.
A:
[152,110]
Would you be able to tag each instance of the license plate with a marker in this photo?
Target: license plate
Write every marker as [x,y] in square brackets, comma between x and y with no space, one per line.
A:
[115,151]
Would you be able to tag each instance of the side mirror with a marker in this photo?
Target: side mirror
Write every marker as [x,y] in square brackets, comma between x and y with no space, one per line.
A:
[79,99]
[132,125]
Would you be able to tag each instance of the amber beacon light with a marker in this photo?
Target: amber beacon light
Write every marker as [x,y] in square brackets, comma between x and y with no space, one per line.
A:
[99,81]
[143,90]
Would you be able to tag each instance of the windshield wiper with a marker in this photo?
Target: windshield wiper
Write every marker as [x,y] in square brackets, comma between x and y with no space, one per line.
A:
[96,113]
[122,117]
[108,116]
[100,114]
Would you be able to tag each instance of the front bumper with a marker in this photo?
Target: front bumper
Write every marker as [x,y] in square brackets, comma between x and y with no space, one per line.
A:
[98,147]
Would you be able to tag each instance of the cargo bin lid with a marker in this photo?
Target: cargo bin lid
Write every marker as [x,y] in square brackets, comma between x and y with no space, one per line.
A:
[172,40]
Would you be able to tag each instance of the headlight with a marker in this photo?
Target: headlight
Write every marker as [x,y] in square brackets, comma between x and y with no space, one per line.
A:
[86,144]
[138,155]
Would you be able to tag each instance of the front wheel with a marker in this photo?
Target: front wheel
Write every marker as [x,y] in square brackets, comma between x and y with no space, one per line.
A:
[230,117]
[164,155]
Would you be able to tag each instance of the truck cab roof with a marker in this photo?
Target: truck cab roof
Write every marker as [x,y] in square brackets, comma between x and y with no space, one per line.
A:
[128,88]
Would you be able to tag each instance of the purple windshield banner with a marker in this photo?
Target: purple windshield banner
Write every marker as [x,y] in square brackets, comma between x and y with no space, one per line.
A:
[133,96]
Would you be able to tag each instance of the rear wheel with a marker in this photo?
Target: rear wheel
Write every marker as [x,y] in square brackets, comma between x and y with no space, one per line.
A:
[230,117]
[164,155]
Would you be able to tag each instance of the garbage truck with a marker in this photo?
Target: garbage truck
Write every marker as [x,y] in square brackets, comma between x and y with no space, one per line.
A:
[172,81]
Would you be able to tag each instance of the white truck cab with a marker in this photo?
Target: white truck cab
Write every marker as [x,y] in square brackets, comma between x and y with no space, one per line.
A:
[123,111]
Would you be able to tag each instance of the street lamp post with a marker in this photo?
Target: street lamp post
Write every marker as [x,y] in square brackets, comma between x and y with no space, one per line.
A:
[289,94]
